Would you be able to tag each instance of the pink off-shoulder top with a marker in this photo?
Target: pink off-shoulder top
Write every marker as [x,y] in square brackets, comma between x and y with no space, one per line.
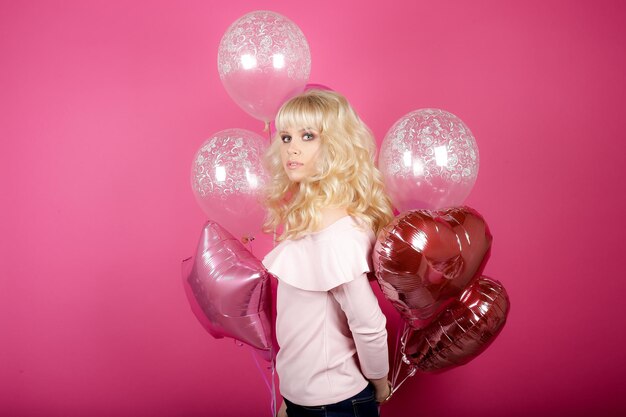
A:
[330,328]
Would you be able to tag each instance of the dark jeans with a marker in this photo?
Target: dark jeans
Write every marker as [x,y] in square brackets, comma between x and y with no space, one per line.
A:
[361,405]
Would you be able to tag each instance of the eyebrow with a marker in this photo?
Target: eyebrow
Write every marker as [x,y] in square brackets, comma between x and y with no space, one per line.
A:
[301,130]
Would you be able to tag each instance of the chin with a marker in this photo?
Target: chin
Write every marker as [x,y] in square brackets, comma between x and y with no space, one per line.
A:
[295,179]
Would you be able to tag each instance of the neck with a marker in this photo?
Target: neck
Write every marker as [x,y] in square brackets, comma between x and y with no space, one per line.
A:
[331,214]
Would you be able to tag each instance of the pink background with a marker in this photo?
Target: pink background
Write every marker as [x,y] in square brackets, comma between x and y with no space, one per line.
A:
[104,104]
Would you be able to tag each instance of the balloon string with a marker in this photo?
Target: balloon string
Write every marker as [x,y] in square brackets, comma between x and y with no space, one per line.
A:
[268,129]
[398,352]
[400,359]
[396,356]
[409,374]
[272,388]
[274,400]
[256,362]
[247,240]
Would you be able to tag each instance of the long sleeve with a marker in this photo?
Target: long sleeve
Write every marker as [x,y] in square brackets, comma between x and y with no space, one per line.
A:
[367,324]
[329,326]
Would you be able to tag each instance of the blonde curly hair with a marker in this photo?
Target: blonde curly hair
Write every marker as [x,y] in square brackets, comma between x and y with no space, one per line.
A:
[347,176]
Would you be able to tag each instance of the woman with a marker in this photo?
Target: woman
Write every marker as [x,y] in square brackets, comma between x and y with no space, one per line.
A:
[328,198]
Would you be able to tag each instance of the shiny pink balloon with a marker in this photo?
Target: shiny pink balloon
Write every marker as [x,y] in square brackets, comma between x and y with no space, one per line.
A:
[227,179]
[429,160]
[263,60]
[424,260]
[463,331]
[229,290]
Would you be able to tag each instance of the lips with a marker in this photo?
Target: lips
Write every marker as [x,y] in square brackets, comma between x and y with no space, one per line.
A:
[293,164]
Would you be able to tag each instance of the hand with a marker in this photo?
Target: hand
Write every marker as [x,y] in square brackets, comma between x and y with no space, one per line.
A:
[383,389]
[282,412]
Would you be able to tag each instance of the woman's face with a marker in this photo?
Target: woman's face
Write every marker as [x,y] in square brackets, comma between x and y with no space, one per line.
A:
[299,152]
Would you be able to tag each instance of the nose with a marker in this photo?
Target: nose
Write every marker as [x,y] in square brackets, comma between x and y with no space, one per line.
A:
[293,149]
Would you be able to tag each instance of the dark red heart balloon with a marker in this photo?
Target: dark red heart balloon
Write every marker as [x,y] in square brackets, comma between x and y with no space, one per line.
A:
[463,331]
[424,260]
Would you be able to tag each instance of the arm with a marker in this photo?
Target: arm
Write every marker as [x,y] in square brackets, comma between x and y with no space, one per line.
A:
[383,389]
[367,324]
[282,412]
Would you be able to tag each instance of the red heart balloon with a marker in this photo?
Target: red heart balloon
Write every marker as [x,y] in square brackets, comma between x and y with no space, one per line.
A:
[425,259]
[463,331]
[228,289]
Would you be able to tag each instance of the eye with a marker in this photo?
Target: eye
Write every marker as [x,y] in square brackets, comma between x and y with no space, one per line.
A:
[308,136]
[285,138]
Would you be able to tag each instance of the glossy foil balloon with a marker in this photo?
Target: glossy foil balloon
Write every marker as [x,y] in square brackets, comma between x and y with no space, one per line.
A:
[424,260]
[263,60]
[429,160]
[463,331]
[227,178]
[229,289]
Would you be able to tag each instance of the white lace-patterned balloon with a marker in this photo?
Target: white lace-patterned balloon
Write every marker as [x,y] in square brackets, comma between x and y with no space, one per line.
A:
[263,60]
[227,178]
[429,159]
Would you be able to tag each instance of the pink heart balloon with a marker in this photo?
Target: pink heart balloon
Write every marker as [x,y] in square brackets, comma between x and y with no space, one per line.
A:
[228,289]
[425,259]
[463,331]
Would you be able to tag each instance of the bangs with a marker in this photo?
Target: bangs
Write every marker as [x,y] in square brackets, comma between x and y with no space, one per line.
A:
[303,111]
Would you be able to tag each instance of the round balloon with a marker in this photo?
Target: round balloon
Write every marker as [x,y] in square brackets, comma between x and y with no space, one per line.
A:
[263,60]
[429,160]
[314,86]
[227,178]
